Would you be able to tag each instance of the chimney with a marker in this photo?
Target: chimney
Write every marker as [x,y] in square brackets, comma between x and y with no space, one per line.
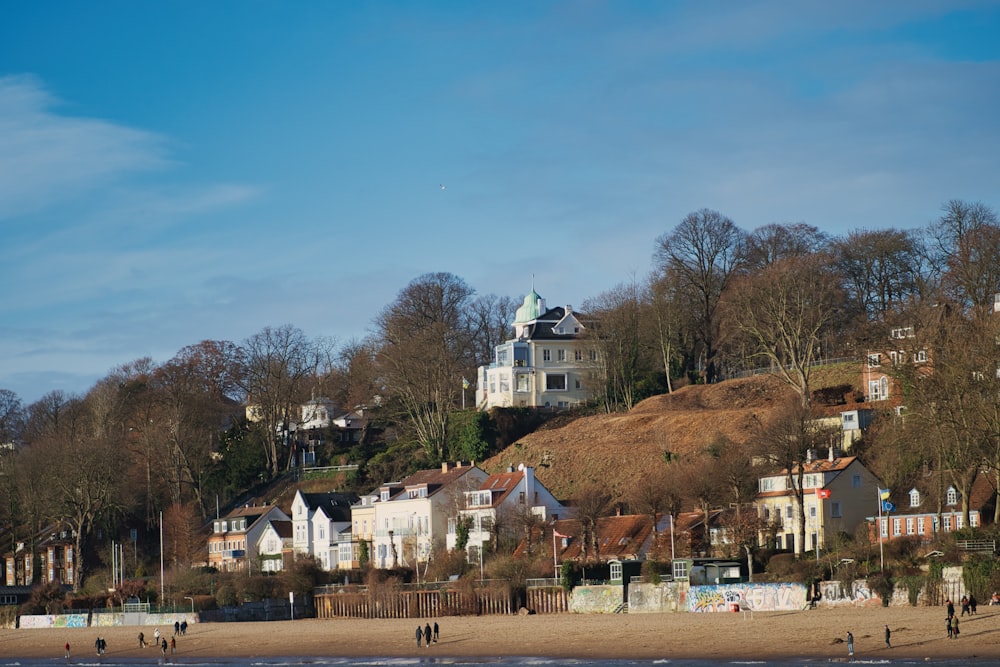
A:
[810,455]
[830,457]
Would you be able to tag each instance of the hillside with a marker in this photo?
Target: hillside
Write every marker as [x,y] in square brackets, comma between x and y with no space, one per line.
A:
[615,449]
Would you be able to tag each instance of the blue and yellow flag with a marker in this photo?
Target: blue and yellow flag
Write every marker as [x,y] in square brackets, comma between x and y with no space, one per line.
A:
[883,494]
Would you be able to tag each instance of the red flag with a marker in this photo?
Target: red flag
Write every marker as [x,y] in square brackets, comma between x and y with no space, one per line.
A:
[556,533]
[823,493]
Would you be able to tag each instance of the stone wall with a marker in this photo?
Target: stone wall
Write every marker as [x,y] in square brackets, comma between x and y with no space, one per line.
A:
[657,598]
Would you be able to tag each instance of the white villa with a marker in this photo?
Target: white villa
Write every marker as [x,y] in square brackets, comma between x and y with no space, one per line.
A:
[545,364]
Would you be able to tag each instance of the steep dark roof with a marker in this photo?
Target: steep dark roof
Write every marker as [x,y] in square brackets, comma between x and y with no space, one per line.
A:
[336,505]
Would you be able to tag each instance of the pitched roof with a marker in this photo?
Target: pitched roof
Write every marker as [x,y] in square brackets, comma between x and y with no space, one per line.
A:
[933,485]
[282,528]
[434,480]
[623,537]
[336,505]
[502,484]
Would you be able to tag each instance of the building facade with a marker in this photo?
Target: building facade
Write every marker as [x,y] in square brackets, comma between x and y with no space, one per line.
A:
[547,364]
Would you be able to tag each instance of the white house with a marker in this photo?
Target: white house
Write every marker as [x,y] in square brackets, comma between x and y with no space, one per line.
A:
[274,545]
[545,364]
[411,516]
[499,504]
[318,522]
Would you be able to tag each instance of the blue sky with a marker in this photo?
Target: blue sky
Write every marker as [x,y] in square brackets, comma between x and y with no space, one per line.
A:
[173,172]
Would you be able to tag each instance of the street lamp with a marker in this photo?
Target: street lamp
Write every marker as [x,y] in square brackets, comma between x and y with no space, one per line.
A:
[188,597]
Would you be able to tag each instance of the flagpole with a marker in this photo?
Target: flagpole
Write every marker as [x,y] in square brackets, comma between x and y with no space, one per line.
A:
[555,563]
[881,556]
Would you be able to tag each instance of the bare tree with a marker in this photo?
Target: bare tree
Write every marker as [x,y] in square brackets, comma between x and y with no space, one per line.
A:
[490,318]
[705,251]
[786,443]
[614,331]
[783,312]
[425,348]
[881,271]
[775,243]
[668,314]
[593,503]
[276,368]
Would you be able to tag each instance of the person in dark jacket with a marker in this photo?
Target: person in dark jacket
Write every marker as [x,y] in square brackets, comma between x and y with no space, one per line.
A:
[435,632]
[888,632]
[427,635]
[420,635]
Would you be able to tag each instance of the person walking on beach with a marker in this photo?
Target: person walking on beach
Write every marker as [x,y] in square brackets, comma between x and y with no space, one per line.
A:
[177,627]
[420,635]
[950,607]
[888,632]
[435,632]
[97,645]
[184,627]
[67,650]
[163,647]
[850,644]
[173,645]
[954,627]
[156,636]
[427,635]
[972,604]
[965,605]
[142,640]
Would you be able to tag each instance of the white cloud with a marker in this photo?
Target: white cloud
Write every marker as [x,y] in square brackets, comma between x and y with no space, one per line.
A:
[47,158]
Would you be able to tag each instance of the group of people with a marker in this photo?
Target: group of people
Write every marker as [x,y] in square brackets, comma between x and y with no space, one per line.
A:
[425,634]
[162,641]
[968,604]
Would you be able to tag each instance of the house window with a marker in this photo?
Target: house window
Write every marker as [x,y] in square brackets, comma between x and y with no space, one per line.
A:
[973,519]
[521,380]
[577,384]
[895,358]
[835,509]
[560,355]
[767,512]
[788,511]
[909,525]
[884,527]
[504,384]
[947,523]
[546,355]
[874,360]
[897,525]
[856,481]
[593,355]
[914,498]
[578,355]
[680,569]
[555,382]
[959,522]
[920,356]
[951,497]
[812,511]
[385,496]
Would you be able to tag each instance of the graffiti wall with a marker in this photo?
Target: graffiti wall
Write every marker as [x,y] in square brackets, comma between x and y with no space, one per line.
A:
[596,599]
[51,621]
[656,598]
[746,597]
[855,594]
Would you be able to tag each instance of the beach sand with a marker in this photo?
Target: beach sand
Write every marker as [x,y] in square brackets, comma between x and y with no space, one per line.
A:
[917,632]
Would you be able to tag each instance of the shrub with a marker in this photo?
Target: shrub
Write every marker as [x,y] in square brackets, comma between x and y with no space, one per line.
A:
[884,585]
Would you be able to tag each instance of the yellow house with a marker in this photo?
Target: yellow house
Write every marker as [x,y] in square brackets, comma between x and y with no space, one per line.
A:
[839,492]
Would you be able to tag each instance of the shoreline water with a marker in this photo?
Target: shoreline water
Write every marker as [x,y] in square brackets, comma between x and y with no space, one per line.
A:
[819,634]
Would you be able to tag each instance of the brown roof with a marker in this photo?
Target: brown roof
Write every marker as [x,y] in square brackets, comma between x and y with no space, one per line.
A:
[433,479]
[618,537]
[501,484]
[282,528]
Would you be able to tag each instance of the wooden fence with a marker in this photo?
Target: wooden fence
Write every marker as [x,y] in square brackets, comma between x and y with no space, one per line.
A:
[435,603]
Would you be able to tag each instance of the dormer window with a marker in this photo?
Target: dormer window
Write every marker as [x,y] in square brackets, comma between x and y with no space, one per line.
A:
[874,360]
[951,497]
[914,498]
[900,333]
[384,496]
[417,493]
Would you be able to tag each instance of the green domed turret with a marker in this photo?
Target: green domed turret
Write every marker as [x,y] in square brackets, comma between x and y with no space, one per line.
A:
[532,307]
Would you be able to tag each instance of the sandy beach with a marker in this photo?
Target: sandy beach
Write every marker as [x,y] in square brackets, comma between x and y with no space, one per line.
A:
[916,633]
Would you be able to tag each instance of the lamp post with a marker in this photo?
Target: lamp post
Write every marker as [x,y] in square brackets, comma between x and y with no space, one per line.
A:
[188,597]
